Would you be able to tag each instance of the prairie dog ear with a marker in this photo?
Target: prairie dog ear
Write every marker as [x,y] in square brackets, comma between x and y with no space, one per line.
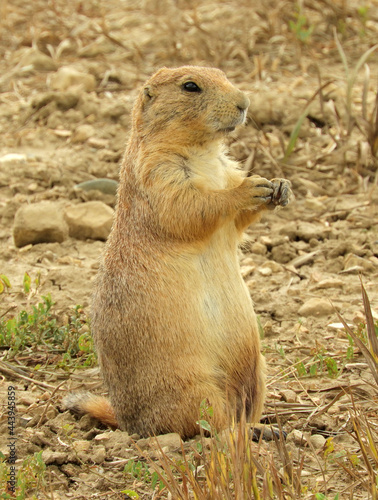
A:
[147,91]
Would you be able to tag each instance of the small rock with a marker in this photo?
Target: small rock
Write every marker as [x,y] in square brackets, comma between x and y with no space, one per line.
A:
[247,261]
[106,186]
[338,326]
[63,100]
[117,443]
[304,259]
[353,261]
[172,441]
[98,454]
[288,395]
[328,283]
[66,100]
[39,438]
[341,248]
[11,159]
[82,133]
[265,271]
[259,248]
[81,445]
[274,266]
[273,242]
[87,422]
[27,399]
[247,270]
[57,424]
[283,253]
[317,441]
[297,437]
[39,223]
[51,413]
[92,220]
[104,436]
[97,143]
[69,470]
[305,231]
[67,77]
[54,457]
[316,307]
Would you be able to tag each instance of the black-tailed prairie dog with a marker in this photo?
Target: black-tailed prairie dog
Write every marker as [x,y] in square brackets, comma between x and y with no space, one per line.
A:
[172,320]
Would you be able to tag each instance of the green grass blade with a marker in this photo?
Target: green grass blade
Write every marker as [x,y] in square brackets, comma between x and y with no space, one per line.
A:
[295,132]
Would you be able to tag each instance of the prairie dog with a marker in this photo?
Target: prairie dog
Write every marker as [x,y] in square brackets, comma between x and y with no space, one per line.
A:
[172,320]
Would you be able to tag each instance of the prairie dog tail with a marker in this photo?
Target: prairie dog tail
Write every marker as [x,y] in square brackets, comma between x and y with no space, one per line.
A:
[98,407]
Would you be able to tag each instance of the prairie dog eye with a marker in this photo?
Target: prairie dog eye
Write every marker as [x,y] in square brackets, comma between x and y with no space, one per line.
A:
[191,87]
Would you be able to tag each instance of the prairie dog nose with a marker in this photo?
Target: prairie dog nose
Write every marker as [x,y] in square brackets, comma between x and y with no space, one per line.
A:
[243,101]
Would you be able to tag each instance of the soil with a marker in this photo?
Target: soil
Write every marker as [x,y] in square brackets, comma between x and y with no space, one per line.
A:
[303,264]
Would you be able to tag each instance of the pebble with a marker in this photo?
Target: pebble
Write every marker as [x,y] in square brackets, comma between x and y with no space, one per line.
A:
[39,223]
[297,437]
[352,261]
[98,143]
[54,457]
[98,455]
[67,77]
[273,242]
[106,186]
[328,283]
[171,441]
[273,266]
[81,446]
[304,259]
[341,248]
[116,442]
[259,248]
[283,253]
[82,133]
[247,270]
[27,399]
[288,395]
[265,271]
[316,307]
[305,231]
[63,100]
[11,159]
[317,441]
[90,220]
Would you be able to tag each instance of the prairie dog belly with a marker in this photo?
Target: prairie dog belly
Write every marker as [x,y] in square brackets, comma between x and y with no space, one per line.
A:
[221,296]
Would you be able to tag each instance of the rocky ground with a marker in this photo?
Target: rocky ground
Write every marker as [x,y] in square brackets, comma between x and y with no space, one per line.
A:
[69,72]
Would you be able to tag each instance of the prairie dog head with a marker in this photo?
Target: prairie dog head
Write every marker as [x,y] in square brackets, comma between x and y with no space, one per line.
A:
[190,102]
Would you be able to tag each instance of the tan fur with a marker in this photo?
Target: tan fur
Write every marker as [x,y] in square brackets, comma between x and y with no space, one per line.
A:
[172,319]
[96,406]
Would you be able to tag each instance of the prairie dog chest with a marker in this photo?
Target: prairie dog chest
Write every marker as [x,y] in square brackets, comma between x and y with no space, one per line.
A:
[210,169]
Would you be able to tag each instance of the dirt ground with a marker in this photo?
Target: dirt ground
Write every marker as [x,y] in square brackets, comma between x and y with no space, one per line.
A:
[301,264]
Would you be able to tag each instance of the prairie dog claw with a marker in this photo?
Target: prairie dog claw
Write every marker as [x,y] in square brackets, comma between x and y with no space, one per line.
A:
[281,192]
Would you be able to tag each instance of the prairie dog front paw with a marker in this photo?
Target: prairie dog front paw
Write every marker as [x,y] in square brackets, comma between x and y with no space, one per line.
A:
[261,190]
[281,192]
